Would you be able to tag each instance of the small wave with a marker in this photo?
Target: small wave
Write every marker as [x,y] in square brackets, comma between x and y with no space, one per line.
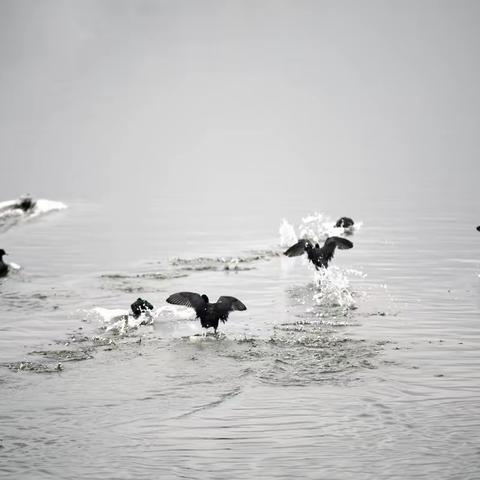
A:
[34,367]
[210,264]
[214,403]
[238,263]
[151,275]
[65,355]
[137,283]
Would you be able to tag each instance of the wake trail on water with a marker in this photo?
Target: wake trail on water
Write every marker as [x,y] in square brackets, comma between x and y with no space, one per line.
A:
[11,214]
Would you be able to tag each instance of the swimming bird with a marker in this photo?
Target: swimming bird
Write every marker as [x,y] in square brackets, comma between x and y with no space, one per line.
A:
[319,256]
[140,306]
[25,203]
[3,266]
[344,222]
[208,313]
[478,228]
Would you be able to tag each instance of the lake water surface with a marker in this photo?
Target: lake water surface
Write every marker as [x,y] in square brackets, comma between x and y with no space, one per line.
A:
[372,375]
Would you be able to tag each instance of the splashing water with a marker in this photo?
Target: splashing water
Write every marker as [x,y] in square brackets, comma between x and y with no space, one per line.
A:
[121,322]
[43,206]
[287,234]
[316,227]
[334,288]
[11,215]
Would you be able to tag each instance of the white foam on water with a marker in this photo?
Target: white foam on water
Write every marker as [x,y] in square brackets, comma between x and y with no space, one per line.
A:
[287,234]
[334,288]
[178,311]
[10,215]
[43,206]
[14,266]
[121,321]
[317,227]
[109,314]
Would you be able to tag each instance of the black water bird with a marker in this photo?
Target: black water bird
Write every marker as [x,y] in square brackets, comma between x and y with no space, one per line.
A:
[140,306]
[208,313]
[3,266]
[478,228]
[345,222]
[25,203]
[319,256]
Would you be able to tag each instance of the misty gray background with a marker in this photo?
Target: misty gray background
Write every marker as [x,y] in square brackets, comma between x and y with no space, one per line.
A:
[117,99]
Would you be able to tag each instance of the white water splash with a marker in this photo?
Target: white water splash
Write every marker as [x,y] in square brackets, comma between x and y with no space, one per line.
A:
[120,321]
[14,266]
[316,227]
[11,215]
[43,206]
[287,234]
[334,288]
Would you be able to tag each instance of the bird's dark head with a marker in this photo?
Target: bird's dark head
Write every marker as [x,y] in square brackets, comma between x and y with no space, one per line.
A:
[205,298]
[2,252]
[345,222]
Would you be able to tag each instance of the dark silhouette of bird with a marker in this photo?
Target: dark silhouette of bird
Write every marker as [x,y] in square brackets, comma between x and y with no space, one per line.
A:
[344,222]
[478,228]
[25,203]
[208,313]
[319,256]
[3,266]
[140,306]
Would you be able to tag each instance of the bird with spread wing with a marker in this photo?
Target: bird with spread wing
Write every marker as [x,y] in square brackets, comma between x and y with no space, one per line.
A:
[319,256]
[208,313]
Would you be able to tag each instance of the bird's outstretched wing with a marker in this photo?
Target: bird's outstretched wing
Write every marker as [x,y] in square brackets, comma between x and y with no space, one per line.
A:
[225,305]
[231,303]
[188,299]
[297,249]
[331,243]
[339,242]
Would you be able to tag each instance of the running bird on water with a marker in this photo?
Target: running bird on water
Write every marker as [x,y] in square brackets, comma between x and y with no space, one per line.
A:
[319,256]
[208,313]
[3,266]
[140,306]
[25,203]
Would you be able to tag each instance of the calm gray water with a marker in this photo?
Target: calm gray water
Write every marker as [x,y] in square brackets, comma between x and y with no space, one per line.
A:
[179,135]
